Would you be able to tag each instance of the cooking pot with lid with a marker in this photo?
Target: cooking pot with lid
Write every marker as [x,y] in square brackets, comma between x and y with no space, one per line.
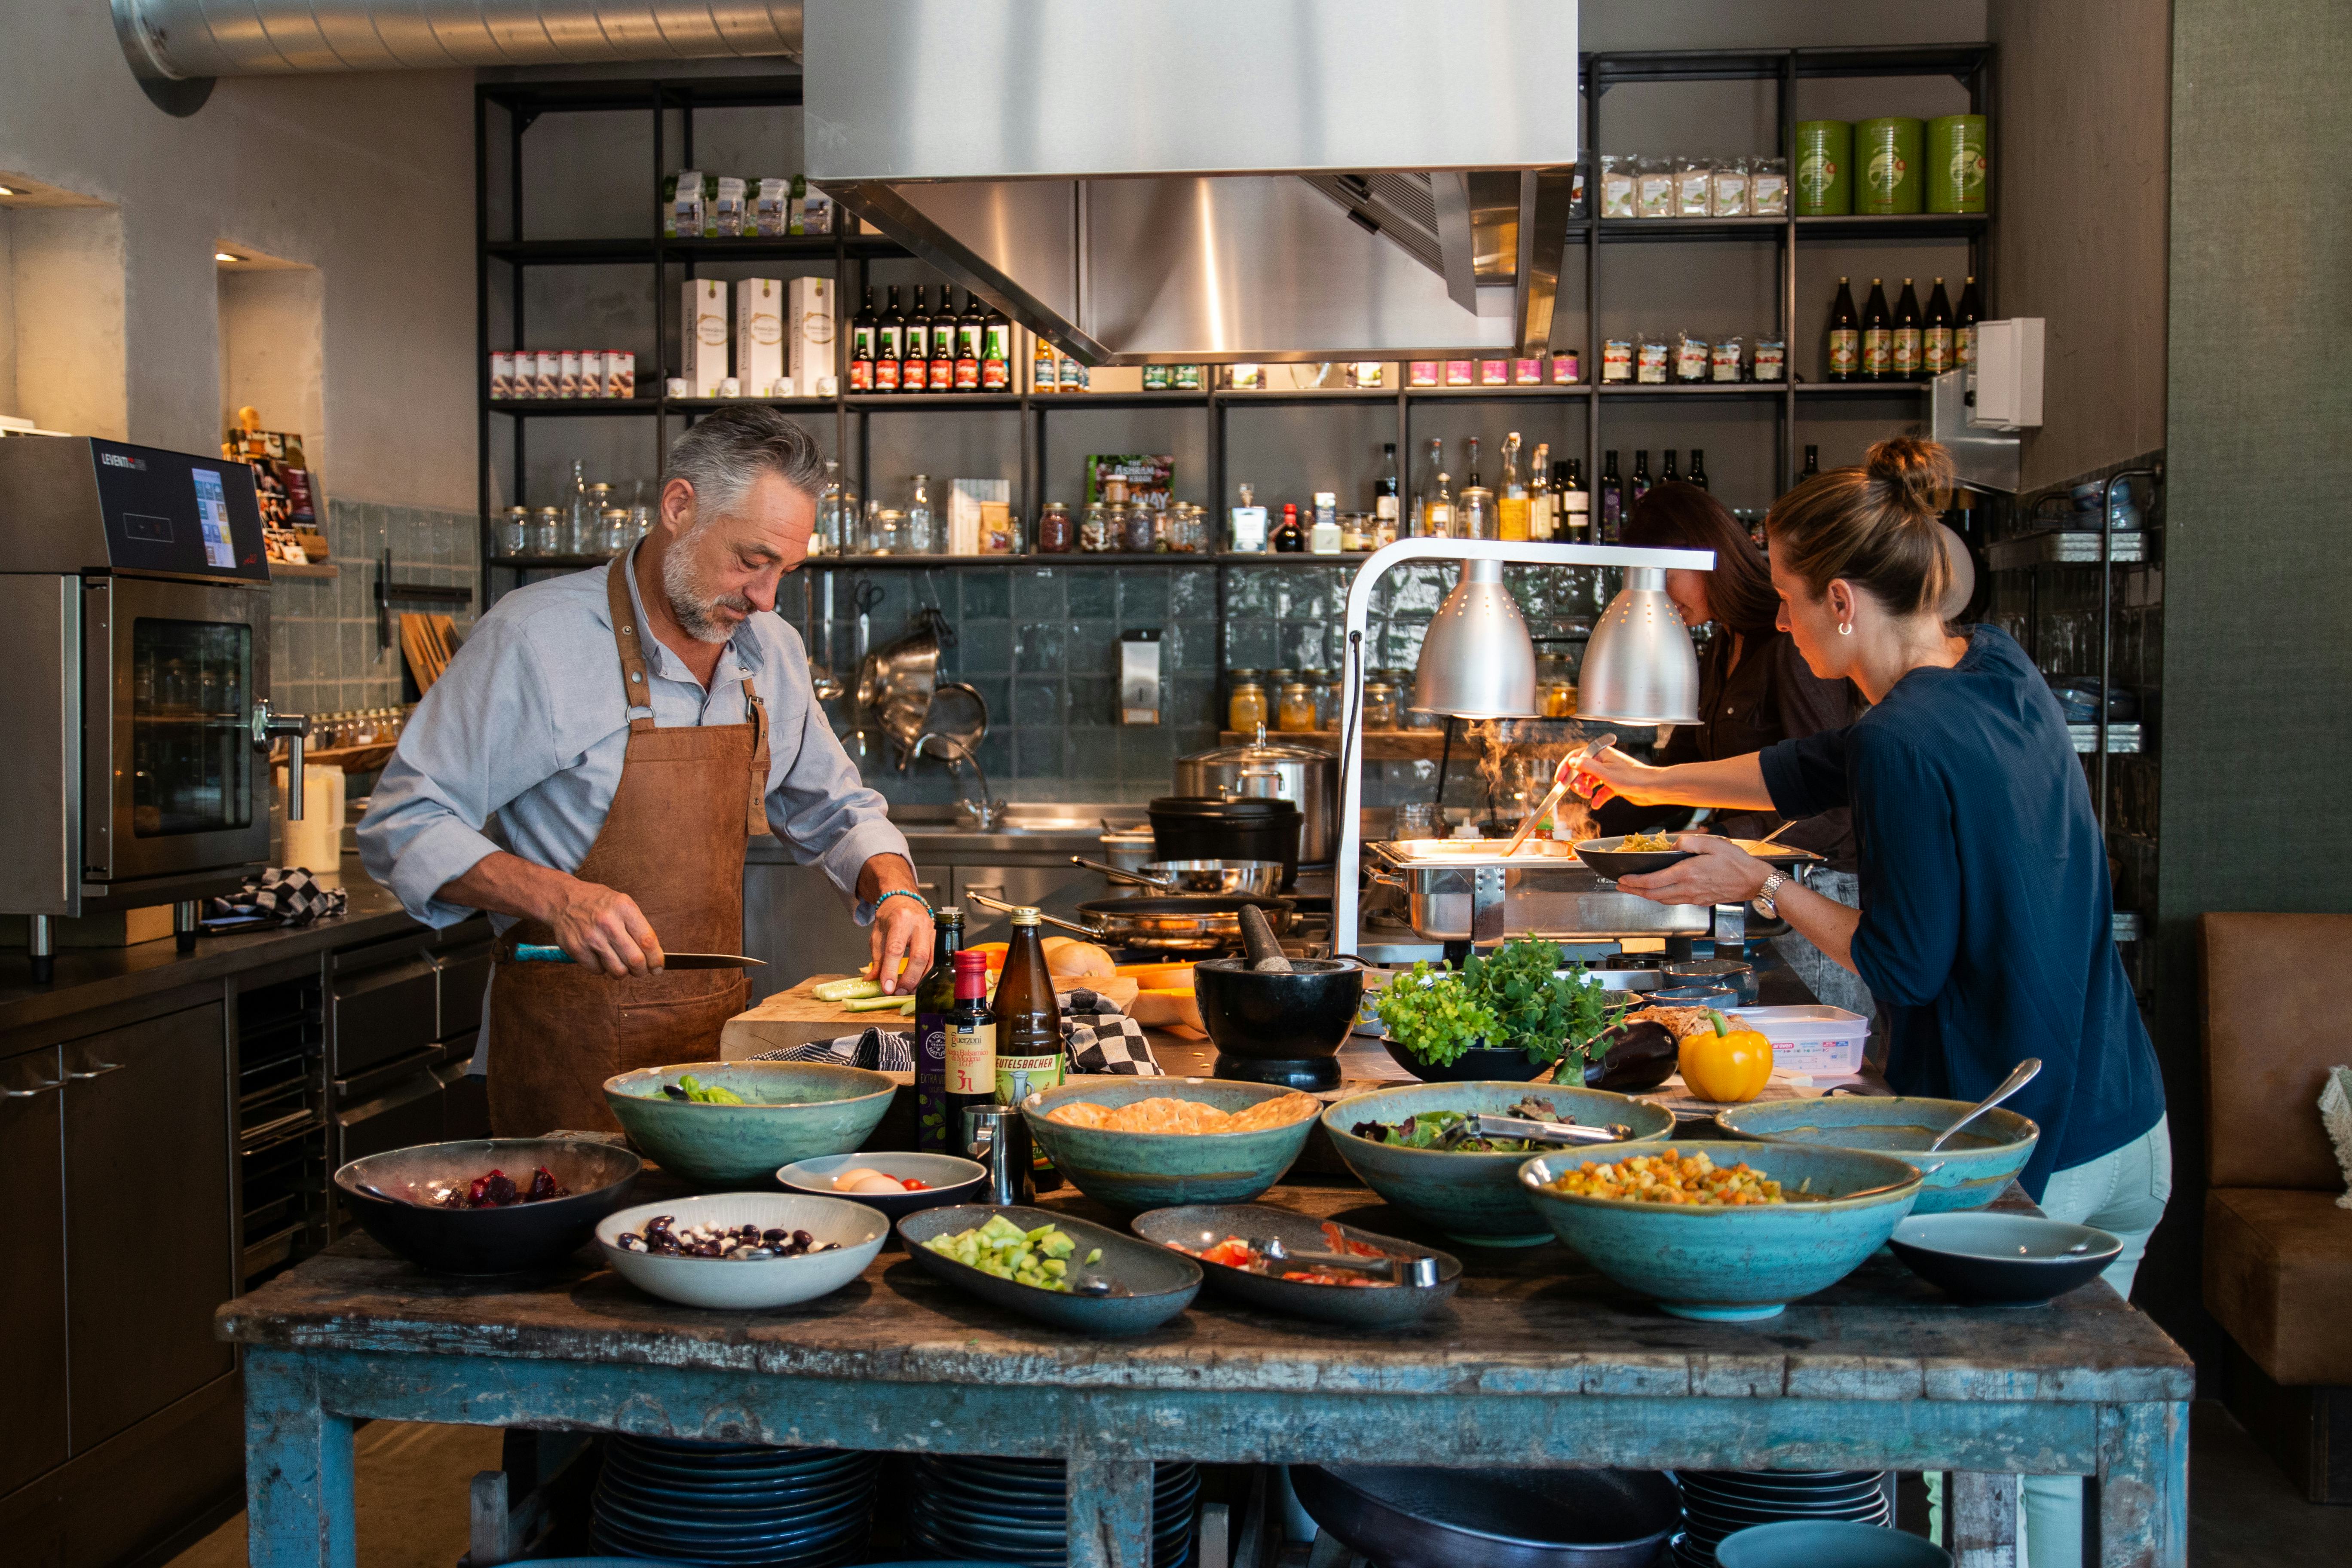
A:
[1266,769]
[1197,827]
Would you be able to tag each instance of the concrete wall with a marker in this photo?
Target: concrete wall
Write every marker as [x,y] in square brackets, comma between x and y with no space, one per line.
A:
[273,346]
[368,178]
[2079,151]
[64,355]
[2257,659]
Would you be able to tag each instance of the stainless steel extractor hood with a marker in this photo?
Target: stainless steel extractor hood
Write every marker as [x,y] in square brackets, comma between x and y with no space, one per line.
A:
[1214,180]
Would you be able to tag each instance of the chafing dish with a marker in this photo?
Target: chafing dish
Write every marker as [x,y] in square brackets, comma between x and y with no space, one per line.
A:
[1460,889]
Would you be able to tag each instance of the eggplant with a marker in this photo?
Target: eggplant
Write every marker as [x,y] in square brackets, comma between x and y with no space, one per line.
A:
[1640,1055]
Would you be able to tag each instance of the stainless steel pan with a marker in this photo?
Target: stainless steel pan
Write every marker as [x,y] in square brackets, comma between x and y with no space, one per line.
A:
[1241,878]
[1168,924]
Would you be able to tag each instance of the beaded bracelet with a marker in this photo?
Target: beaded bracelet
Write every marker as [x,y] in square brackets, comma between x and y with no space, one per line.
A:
[902,894]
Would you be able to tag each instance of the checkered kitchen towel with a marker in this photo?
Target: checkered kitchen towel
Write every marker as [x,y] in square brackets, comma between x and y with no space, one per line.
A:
[1097,1038]
[288,894]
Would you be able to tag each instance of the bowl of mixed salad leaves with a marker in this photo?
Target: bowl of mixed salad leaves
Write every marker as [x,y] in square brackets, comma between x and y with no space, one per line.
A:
[1518,1015]
[731,1124]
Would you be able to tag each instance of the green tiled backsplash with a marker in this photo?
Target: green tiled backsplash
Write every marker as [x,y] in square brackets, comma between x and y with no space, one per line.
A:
[323,652]
[1040,643]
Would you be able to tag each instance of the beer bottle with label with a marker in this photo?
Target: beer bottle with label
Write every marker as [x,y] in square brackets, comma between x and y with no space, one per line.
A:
[1877,336]
[861,346]
[1698,469]
[1908,332]
[971,328]
[916,374]
[996,354]
[1964,327]
[971,1046]
[936,1128]
[1935,350]
[1028,1028]
[889,338]
[1845,336]
[1572,504]
[943,342]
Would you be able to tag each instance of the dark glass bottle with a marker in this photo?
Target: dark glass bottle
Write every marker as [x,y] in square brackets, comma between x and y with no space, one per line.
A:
[1666,474]
[936,1128]
[1697,475]
[971,1046]
[1388,494]
[1812,469]
[862,327]
[1471,482]
[996,351]
[1878,335]
[1845,336]
[971,328]
[889,338]
[1964,327]
[1935,347]
[1289,539]
[1028,1028]
[1639,485]
[915,373]
[1571,503]
[943,342]
[1909,330]
[1613,500]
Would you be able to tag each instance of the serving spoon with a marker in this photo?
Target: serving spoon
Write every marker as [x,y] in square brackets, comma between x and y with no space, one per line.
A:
[2019,1077]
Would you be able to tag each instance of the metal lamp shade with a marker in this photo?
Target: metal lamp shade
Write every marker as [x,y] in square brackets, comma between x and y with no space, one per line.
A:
[1477,661]
[1640,667]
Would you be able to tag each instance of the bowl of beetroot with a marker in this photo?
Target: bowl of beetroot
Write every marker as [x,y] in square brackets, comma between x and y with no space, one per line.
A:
[488,1205]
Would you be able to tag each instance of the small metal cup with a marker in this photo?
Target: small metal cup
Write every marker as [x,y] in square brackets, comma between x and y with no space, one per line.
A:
[997,1137]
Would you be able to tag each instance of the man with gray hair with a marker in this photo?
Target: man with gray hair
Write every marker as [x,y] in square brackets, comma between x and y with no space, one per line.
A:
[602,804]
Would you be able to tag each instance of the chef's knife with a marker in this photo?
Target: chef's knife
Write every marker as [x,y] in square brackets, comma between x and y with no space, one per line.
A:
[527,953]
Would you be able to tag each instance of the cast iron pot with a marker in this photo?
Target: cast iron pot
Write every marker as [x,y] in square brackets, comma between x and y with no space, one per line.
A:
[1279,1027]
[1201,827]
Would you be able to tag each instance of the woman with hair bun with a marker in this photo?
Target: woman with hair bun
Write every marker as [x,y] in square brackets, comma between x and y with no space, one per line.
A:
[1986,930]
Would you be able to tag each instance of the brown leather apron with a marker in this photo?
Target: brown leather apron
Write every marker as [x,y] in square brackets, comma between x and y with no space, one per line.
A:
[674,841]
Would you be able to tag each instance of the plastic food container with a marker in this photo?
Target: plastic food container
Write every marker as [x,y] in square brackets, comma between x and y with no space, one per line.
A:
[1816,1039]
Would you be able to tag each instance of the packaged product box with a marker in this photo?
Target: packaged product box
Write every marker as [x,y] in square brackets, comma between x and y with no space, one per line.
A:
[772,207]
[591,373]
[567,373]
[682,207]
[546,366]
[759,334]
[702,333]
[619,372]
[502,375]
[729,212]
[816,211]
[1148,478]
[809,332]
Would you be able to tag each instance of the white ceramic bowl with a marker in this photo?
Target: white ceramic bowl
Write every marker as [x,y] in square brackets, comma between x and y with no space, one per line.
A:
[742,1284]
[953,1179]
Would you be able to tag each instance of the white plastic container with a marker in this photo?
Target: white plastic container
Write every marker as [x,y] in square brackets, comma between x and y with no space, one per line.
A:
[1816,1039]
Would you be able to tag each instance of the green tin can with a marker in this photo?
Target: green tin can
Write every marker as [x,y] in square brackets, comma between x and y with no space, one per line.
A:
[1824,168]
[1956,163]
[1887,153]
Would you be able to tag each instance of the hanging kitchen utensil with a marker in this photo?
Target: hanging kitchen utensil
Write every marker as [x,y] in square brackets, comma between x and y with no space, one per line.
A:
[956,712]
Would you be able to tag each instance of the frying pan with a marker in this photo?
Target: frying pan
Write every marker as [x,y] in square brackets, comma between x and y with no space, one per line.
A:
[1246,879]
[1169,924]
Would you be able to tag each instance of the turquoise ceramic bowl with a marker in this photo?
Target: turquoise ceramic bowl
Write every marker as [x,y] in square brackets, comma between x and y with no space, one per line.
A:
[797,1111]
[1730,1265]
[1968,1174]
[1132,1171]
[1475,1198]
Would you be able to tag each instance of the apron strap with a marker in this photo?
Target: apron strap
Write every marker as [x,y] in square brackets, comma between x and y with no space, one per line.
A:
[757,712]
[637,679]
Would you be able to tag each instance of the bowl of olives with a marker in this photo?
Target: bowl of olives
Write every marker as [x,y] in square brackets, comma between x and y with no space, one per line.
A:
[488,1205]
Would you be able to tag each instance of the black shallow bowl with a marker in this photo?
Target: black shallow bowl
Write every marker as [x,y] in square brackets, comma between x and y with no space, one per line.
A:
[510,1240]
[1153,1283]
[1604,856]
[1200,1225]
[2003,1260]
[1427,1517]
[1278,1017]
[1479,1064]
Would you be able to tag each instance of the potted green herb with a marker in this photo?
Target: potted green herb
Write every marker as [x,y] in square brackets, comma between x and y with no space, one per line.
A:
[1504,1018]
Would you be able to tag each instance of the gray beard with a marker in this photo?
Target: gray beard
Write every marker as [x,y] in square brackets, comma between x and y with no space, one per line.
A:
[692,606]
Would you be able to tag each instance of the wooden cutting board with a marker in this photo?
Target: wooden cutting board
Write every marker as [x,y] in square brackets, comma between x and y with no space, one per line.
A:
[797,1016]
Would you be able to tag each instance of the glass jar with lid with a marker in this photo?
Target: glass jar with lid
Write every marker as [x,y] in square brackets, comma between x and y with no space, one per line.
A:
[1094,530]
[1297,712]
[614,530]
[1245,710]
[1143,524]
[514,530]
[1380,706]
[1056,533]
[546,532]
[1317,682]
[1474,517]
[1356,532]
[886,531]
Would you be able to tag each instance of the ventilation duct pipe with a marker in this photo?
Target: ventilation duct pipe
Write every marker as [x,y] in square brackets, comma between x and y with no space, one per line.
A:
[177,47]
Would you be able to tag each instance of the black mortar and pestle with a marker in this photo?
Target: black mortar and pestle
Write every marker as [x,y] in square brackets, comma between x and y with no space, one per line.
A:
[1276,1019]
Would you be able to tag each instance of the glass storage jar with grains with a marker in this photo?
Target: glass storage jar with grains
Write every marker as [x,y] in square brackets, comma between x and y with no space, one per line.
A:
[1094,530]
[1055,533]
[1296,712]
[1245,711]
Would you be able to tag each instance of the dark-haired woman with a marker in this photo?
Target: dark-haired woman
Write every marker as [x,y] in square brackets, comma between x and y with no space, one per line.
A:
[1986,930]
[1754,690]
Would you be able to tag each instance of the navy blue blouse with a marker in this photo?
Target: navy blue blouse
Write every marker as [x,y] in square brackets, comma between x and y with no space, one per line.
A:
[1987,931]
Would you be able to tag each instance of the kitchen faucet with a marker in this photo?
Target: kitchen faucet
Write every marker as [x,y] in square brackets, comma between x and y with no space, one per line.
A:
[986,811]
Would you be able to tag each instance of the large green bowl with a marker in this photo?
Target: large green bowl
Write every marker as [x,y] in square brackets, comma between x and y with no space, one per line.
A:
[1475,1198]
[797,1111]
[1967,1173]
[1731,1265]
[1132,1171]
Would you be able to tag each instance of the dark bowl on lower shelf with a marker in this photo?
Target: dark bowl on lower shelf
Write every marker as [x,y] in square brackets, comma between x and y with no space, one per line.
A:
[1479,1064]
[1426,1517]
[515,1239]
[2003,1260]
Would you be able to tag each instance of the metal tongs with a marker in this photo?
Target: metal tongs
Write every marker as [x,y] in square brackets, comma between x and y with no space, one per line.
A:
[1421,1270]
[1486,1126]
[1561,778]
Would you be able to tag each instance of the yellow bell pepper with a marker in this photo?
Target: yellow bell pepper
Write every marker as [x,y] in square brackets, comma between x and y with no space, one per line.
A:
[1724,1064]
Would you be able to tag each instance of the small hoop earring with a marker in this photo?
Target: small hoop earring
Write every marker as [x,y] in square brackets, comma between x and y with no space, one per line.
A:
[1846,629]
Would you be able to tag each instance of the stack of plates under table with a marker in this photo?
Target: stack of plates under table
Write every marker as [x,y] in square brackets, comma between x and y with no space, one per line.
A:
[1717,1502]
[969,1506]
[737,1505]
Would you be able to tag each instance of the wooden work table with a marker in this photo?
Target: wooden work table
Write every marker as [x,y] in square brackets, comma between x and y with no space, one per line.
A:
[1537,1360]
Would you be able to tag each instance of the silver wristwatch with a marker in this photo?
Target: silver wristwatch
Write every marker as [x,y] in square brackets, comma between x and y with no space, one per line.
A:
[1762,903]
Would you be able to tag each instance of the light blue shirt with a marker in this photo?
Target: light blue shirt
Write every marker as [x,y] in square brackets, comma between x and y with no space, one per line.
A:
[519,746]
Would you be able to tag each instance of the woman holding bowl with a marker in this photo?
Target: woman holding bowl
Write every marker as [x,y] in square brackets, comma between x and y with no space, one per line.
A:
[1986,930]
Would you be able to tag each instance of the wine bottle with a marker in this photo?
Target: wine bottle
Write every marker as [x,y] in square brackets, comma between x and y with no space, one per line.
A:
[1386,497]
[944,328]
[1613,500]
[1697,475]
[996,356]
[1877,336]
[936,1127]
[1424,495]
[1964,327]
[1935,347]
[890,337]
[861,346]
[915,374]
[1572,503]
[1845,336]
[1640,484]
[1909,330]
[971,328]
[971,1046]
[1666,474]
[1028,1028]
[1813,469]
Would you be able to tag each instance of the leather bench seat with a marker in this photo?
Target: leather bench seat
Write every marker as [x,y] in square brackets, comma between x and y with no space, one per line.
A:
[2278,1277]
